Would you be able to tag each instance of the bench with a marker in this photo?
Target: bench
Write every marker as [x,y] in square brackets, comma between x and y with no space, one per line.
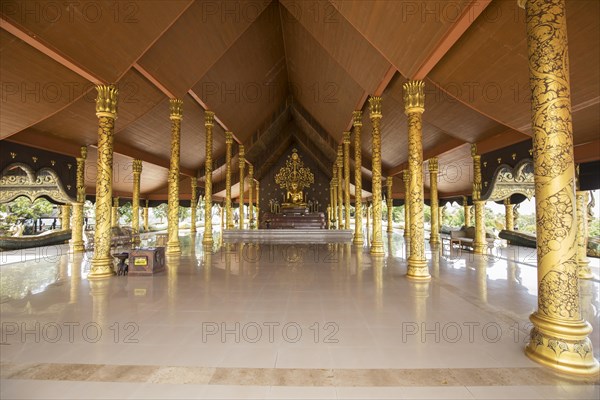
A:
[119,236]
[465,238]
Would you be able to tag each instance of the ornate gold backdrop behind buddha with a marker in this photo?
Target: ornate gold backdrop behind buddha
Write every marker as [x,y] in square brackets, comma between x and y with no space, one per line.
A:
[294,177]
[317,192]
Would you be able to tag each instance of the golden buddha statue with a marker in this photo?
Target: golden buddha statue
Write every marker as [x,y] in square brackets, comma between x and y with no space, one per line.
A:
[293,178]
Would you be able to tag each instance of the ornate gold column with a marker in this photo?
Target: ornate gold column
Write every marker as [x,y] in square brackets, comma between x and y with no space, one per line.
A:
[176,115]
[390,204]
[146,221]
[65,216]
[367,215]
[333,198]
[207,238]
[346,142]
[251,197]
[228,212]
[466,210]
[242,161]
[508,215]
[375,116]
[559,338]
[414,105]
[340,188]
[406,179]
[257,188]
[194,205]
[357,123]
[434,237]
[135,201]
[583,270]
[479,244]
[115,212]
[106,111]
[76,242]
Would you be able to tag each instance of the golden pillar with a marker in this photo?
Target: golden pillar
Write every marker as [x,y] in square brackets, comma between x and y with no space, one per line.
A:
[479,243]
[333,198]
[194,204]
[583,270]
[466,210]
[357,123]
[559,338]
[257,188]
[509,217]
[106,111]
[406,179]
[390,204]
[367,212]
[65,216]
[115,212]
[146,221]
[207,238]
[176,115]
[135,201]
[434,237]
[375,115]
[251,197]
[340,189]
[228,212]
[346,142]
[78,217]
[242,161]
[414,105]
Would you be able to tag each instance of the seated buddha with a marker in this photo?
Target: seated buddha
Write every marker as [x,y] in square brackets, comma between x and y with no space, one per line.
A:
[294,196]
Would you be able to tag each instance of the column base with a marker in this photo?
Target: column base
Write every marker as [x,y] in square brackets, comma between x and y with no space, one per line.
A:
[562,346]
[377,249]
[173,248]
[584,271]
[102,267]
[76,247]
[358,240]
[417,270]
[479,248]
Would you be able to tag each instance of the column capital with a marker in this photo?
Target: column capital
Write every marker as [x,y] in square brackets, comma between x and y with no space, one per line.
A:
[432,165]
[473,150]
[340,156]
[228,137]
[106,101]
[375,107]
[346,137]
[250,171]
[83,152]
[115,202]
[389,181]
[194,182]
[357,118]
[175,109]
[507,201]
[137,166]
[405,176]
[209,118]
[414,97]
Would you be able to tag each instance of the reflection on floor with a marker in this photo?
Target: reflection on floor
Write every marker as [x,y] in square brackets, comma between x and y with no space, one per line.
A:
[279,321]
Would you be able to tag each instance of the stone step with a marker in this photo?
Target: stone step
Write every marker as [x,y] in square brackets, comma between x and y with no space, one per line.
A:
[301,235]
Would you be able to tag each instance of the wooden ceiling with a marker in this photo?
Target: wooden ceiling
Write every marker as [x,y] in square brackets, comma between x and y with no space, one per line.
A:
[270,67]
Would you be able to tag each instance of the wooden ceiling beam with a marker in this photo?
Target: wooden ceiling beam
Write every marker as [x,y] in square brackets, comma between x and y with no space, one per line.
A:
[586,152]
[468,16]
[46,49]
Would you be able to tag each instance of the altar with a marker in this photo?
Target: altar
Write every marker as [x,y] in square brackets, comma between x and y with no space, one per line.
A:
[295,212]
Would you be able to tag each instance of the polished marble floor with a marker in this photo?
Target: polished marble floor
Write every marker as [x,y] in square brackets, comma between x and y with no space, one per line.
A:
[278,321]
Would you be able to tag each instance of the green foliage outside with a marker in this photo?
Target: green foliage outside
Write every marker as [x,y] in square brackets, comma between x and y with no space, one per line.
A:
[22,208]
